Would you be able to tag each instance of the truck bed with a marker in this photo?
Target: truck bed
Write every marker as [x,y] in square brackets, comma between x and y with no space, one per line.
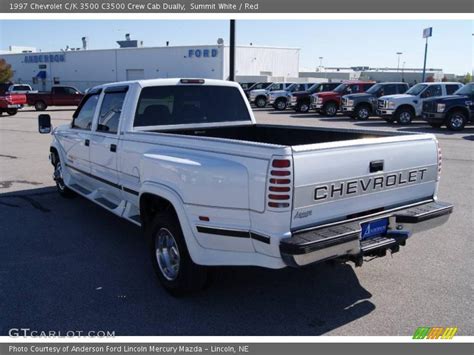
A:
[280,135]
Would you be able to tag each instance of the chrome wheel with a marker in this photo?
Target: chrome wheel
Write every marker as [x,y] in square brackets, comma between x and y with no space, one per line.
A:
[405,117]
[281,105]
[304,108]
[456,120]
[331,110]
[261,103]
[58,177]
[167,254]
[363,113]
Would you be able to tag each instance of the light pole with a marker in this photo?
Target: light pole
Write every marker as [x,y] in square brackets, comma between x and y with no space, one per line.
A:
[232,51]
[321,62]
[398,64]
[427,32]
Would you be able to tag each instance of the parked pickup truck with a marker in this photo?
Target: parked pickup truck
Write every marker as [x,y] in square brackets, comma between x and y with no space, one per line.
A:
[300,101]
[58,96]
[11,103]
[185,160]
[329,102]
[280,99]
[259,97]
[404,108]
[454,111]
[362,105]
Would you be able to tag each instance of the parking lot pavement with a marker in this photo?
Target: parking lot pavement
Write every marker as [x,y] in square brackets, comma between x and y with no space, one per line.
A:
[70,265]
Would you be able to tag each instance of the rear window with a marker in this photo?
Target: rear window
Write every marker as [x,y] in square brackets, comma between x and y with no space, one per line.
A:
[189,104]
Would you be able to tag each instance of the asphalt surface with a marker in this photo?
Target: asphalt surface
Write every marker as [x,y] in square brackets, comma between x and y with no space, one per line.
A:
[69,265]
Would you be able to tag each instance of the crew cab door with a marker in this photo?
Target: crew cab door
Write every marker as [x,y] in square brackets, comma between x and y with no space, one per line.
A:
[105,140]
[76,140]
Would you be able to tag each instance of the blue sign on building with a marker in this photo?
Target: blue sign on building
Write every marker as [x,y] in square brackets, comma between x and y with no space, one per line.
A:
[202,53]
[45,58]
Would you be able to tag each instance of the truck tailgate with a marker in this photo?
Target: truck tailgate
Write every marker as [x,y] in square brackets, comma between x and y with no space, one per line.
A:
[334,181]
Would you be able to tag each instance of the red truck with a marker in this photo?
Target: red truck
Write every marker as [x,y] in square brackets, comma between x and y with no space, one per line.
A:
[10,103]
[58,96]
[329,102]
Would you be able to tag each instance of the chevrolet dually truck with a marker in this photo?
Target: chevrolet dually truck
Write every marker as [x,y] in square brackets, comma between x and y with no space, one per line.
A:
[404,108]
[185,160]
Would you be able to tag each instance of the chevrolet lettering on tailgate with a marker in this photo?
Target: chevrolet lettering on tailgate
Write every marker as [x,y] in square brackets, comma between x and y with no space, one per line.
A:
[372,184]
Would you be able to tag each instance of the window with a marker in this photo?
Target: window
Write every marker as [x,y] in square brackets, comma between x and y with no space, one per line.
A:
[353,88]
[466,90]
[85,113]
[451,88]
[432,90]
[402,88]
[188,104]
[390,89]
[110,111]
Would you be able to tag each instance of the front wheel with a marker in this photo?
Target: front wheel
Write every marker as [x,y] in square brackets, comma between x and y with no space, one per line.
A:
[173,265]
[260,102]
[362,113]
[404,116]
[12,111]
[280,105]
[303,108]
[61,187]
[456,121]
[330,109]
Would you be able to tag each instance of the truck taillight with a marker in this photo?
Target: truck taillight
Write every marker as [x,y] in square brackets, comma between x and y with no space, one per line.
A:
[279,184]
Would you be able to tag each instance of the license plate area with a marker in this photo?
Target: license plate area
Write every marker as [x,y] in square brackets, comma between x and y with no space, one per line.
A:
[376,228]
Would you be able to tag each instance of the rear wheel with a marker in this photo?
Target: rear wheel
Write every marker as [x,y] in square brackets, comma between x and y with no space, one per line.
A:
[261,102]
[40,106]
[330,109]
[304,107]
[178,274]
[12,111]
[280,105]
[362,112]
[404,116]
[456,121]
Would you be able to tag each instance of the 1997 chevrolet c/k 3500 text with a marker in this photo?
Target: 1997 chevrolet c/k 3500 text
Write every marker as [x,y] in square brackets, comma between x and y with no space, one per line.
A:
[185,159]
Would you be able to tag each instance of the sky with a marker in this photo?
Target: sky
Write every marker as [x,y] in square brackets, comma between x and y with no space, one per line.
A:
[340,42]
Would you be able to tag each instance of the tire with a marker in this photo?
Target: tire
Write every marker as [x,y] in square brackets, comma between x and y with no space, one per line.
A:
[404,116]
[177,273]
[330,109]
[12,111]
[280,105]
[62,189]
[362,112]
[436,125]
[303,107]
[456,120]
[260,102]
[40,106]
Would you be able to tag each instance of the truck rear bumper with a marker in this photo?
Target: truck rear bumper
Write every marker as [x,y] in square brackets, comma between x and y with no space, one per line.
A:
[344,240]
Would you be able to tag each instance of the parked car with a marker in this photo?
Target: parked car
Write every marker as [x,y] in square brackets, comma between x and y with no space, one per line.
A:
[11,103]
[454,111]
[280,99]
[58,96]
[404,108]
[258,97]
[329,102]
[185,160]
[362,105]
[300,101]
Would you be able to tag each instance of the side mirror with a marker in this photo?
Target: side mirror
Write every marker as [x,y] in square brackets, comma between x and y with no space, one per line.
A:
[44,124]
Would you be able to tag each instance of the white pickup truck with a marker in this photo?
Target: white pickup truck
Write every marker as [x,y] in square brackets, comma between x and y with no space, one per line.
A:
[185,159]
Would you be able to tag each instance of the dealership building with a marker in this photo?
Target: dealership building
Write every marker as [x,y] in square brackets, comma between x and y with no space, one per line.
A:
[84,68]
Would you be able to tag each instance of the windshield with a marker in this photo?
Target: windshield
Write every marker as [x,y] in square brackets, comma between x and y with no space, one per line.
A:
[314,87]
[374,89]
[189,104]
[417,89]
[340,88]
[292,87]
[465,90]
[258,86]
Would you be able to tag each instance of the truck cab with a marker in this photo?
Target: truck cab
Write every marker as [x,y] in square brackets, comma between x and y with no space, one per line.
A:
[329,102]
[362,105]
[454,111]
[404,108]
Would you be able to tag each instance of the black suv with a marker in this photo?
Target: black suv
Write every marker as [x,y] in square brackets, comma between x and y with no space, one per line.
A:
[454,111]
[361,106]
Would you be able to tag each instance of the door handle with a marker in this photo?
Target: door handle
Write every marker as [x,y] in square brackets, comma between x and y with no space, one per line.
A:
[87,142]
[113,148]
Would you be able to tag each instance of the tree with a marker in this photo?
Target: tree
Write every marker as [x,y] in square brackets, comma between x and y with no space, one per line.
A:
[467,78]
[430,79]
[6,72]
